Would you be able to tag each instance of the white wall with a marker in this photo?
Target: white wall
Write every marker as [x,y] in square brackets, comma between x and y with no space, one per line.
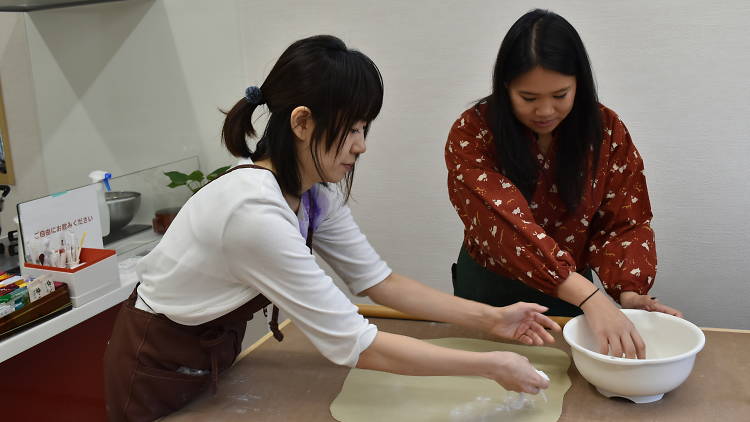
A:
[111,90]
[20,113]
[136,82]
[675,71]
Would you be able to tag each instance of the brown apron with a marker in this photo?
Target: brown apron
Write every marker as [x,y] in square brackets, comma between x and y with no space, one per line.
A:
[146,350]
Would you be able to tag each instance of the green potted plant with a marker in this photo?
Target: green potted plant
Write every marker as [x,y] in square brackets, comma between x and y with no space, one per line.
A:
[193,181]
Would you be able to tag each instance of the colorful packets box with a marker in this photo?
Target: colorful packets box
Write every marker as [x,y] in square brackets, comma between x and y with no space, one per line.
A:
[27,302]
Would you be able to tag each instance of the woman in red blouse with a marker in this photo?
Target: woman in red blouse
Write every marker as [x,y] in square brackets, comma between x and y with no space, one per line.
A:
[550,186]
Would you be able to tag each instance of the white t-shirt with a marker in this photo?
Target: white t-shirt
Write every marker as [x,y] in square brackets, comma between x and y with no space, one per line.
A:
[237,237]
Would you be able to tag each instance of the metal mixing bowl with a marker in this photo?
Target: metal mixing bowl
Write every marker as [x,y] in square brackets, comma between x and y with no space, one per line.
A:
[122,207]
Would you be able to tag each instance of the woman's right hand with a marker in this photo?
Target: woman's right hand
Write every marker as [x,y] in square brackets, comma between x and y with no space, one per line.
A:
[614,332]
[514,372]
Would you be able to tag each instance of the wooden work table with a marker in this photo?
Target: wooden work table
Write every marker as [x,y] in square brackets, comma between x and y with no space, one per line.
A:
[291,381]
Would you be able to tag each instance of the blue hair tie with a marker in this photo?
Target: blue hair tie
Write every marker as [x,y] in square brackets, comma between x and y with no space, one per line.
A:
[254,96]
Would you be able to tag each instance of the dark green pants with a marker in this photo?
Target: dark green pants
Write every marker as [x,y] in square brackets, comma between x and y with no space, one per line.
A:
[473,281]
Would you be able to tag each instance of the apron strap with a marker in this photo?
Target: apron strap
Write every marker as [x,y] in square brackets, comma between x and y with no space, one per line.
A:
[211,340]
[274,324]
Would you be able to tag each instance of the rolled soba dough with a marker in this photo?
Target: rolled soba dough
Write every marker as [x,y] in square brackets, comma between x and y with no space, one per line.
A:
[373,396]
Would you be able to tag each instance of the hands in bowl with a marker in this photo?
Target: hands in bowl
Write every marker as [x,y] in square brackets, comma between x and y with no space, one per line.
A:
[616,335]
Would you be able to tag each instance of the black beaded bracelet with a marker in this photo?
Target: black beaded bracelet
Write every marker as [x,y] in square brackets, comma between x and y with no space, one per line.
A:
[589,297]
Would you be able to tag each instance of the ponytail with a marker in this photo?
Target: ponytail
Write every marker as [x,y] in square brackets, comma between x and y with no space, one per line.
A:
[238,126]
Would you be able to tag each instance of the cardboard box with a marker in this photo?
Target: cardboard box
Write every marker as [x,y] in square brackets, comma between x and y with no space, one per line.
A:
[96,276]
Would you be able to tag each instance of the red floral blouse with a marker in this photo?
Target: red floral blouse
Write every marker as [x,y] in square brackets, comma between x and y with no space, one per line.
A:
[536,241]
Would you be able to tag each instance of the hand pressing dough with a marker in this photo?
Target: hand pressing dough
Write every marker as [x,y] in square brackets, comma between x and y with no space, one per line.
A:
[373,396]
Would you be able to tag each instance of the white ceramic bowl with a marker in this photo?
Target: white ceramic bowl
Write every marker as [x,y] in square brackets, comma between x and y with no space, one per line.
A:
[671,346]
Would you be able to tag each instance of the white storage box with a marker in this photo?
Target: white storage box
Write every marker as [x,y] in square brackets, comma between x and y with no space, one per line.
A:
[96,276]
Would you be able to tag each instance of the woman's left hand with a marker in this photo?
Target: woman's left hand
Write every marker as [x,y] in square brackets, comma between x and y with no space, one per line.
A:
[523,322]
[633,300]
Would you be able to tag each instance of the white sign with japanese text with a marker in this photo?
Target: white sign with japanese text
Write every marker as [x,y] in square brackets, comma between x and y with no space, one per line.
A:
[49,217]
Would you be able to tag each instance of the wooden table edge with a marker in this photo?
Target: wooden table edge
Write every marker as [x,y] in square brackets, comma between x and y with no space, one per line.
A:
[726,330]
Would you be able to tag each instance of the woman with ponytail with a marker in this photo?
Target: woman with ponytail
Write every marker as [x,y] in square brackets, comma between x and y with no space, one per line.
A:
[244,242]
[549,187]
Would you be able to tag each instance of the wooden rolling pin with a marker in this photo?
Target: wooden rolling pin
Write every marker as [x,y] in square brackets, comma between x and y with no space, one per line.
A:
[380,311]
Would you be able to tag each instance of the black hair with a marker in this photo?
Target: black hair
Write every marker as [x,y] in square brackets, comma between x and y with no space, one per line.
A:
[339,85]
[543,38]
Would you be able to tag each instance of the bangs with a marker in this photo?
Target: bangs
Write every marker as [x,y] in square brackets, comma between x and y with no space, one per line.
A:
[351,90]
[355,93]
[365,90]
